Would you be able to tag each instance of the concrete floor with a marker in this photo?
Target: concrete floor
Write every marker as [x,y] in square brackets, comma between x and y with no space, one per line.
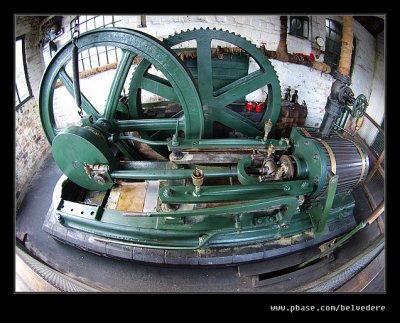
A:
[105,274]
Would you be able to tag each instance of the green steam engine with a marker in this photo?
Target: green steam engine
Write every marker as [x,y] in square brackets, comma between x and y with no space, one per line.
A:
[193,178]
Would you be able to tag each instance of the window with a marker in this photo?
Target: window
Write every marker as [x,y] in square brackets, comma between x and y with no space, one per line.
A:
[97,56]
[333,45]
[23,91]
[299,26]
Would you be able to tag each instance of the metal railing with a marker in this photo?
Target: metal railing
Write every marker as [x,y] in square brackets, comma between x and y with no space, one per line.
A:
[373,186]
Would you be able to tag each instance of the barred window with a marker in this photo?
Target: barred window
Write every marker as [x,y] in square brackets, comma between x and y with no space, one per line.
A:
[333,45]
[102,55]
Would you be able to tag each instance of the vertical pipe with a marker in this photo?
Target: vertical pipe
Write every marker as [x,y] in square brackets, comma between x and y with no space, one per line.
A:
[281,51]
[347,46]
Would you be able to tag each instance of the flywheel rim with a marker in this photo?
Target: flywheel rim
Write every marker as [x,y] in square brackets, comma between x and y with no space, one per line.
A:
[134,42]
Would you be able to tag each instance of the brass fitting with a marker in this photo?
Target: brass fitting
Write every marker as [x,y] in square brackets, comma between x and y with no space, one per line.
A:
[197,180]
[267,129]
[270,150]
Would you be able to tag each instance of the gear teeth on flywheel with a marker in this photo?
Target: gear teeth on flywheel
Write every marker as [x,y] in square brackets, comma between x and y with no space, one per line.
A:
[273,76]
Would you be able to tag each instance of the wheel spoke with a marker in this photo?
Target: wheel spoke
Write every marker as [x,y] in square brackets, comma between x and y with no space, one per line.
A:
[204,69]
[159,86]
[86,105]
[235,121]
[117,84]
[240,88]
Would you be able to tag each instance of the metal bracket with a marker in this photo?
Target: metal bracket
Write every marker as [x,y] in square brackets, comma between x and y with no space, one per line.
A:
[318,218]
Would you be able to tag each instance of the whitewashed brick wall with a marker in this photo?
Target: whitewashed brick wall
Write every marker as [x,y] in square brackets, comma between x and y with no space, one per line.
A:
[313,86]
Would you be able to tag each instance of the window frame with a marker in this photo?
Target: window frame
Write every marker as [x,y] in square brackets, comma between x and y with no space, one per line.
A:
[329,39]
[81,58]
[302,19]
[30,96]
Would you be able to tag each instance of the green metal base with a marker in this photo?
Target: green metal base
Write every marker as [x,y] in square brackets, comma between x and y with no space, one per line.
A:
[197,229]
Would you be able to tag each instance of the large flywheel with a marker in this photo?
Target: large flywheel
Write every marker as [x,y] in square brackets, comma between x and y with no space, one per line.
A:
[215,99]
[132,43]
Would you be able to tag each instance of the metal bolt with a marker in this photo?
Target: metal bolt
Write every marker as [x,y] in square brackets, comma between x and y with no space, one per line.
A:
[316,179]
[315,157]
[176,154]
[237,223]
[304,185]
[286,187]
[259,221]
[202,238]
[75,164]
[301,199]
[99,179]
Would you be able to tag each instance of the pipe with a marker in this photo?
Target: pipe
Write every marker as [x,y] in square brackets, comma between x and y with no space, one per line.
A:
[347,46]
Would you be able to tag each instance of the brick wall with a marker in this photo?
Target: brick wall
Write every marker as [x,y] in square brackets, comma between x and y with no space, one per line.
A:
[31,146]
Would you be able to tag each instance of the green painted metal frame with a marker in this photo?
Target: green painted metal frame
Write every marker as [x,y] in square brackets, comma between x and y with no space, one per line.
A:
[246,223]
[232,193]
[319,219]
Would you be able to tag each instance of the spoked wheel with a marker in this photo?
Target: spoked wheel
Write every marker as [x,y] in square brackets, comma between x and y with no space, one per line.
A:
[215,99]
[77,149]
[132,43]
